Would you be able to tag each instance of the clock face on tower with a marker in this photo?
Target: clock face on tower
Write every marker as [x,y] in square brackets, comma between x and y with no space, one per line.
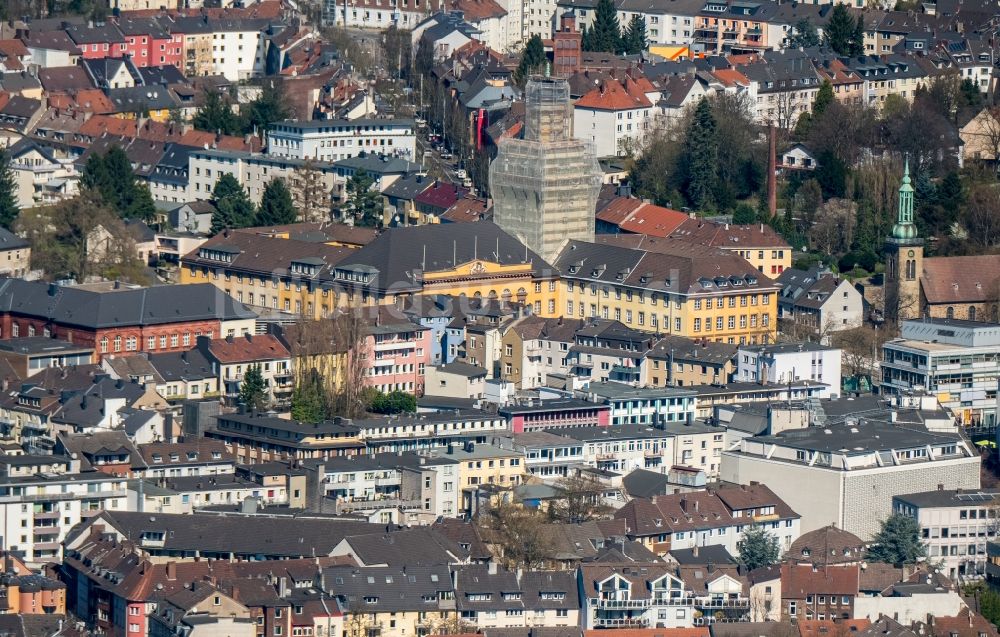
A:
[910,253]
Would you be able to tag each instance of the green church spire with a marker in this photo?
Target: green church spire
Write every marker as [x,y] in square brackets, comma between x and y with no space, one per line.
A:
[905,230]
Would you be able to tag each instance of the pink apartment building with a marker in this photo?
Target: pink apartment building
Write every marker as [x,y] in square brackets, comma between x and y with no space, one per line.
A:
[397,352]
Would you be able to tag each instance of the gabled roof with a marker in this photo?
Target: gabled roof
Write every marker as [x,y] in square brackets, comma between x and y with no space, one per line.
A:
[247,349]
[960,280]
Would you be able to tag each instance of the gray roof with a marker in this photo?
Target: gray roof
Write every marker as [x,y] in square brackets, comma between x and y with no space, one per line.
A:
[144,306]
[400,253]
[951,498]
[863,437]
[642,483]
[411,547]
[462,369]
[615,432]
[186,366]
[32,345]
[378,164]
[242,535]
[620,391]
[390,589]
[137,99]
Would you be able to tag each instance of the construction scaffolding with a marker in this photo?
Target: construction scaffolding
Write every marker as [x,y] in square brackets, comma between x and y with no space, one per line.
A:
[545,186]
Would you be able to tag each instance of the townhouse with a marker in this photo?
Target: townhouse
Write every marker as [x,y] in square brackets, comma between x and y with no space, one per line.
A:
[678,361]
[818,301]
[232,357]
[199,457]
[534,347]
[782,86]
[623,448]
[714,517]
[490,597]
[232,47]
[253,171]
[624,109]
[634,595]
[607,350]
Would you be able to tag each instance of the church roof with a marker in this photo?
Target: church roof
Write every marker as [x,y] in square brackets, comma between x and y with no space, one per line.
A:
[956,280]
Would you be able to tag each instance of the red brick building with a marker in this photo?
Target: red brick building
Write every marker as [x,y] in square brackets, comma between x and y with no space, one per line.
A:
[156,319]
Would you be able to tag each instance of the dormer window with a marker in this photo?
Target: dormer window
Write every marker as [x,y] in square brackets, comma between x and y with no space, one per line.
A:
[222,254]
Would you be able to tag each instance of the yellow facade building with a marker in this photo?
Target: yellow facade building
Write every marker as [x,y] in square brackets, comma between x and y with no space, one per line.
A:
[682,290]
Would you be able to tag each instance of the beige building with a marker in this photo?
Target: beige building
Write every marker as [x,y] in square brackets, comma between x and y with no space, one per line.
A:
[15,254]
[455,380]
[682,362]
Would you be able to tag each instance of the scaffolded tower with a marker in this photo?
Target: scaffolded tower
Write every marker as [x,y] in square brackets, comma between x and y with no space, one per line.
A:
[545,186]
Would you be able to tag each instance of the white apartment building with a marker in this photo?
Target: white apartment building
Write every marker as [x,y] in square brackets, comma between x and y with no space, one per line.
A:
[853,470]
[614,118]
[540,18]
[39,507]
[330,140]
[644,405]
[252,170]
[955,525]
[784,363]
[957,361]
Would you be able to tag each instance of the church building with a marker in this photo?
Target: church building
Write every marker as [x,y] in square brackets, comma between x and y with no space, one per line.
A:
[965,287]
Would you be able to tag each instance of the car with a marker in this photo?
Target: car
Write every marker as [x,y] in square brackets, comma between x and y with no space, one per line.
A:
[461,174]
[445,154]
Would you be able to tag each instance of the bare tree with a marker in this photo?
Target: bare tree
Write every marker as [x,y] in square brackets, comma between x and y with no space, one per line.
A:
[833,231]
[518,537]
[982,217]
[860,349]
[581,500]
[310,194]
[987,137]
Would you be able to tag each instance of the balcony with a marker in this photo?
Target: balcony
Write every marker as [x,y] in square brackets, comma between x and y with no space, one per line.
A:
[737,603]
[621,604]
[621,622]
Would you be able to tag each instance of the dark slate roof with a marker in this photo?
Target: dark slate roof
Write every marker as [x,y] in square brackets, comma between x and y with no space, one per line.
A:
[642,483]
[243,535]
[137,99]
[145,306]
[412,547]
[862,437]
[189,365]
[162,75]
[711,554]
[9,240]
[87,445]
[390,589]
[399,252]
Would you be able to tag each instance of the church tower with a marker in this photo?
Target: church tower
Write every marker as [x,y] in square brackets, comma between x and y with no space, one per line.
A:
[904,255]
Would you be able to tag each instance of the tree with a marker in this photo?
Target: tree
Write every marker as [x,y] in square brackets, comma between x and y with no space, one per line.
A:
[744,214]
[857,46]
[270,106]
[253,389]
[758,548]
[216,115]
[395,402]
[982,217]
[233,207]
[860,347]
[79,238]
[532,60]
[140,205]
[311,196]
[8,192]
[111,178]
[831,174]
[824,98]
[840,30]
[364,203]
[308,401]
[518,536]
[634,40]
[275,205]
[701,154]
[805,34]
[580,500]
[605,32]
[898,542]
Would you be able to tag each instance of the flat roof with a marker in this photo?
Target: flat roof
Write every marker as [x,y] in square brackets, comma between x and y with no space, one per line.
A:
[41,345]
[943,498]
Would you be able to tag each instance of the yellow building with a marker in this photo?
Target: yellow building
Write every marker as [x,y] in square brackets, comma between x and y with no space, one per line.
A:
[312,279]
[758,243]
[483,464]
[682,362]
[682,290]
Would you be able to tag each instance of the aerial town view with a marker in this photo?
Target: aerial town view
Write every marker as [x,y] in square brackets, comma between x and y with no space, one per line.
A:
[499,318]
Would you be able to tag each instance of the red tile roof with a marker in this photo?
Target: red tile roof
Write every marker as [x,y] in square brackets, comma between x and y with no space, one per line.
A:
[972,279]
[105,124]
[477,10]
[612,96]
[801,580]
[730,236]
[816,628]
[248,349]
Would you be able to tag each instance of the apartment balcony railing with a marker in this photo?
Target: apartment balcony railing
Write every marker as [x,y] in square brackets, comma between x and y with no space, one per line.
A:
[738,603]
[621,622]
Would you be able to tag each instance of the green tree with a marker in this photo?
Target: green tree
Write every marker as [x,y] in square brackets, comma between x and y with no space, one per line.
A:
[805,34]
[140,205]
[532,60]
[233,207]
[308,401]
[276,207]
[839,30]
[701,154]
[270,106]
[110,177]
[605,33]
[8,192]
[831,174]
[744,214]
[857,46]
[395,402]
[824,98]
[364,203]
[898,542]
[634,40]
[758,548]
[253,389]
[216,115]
